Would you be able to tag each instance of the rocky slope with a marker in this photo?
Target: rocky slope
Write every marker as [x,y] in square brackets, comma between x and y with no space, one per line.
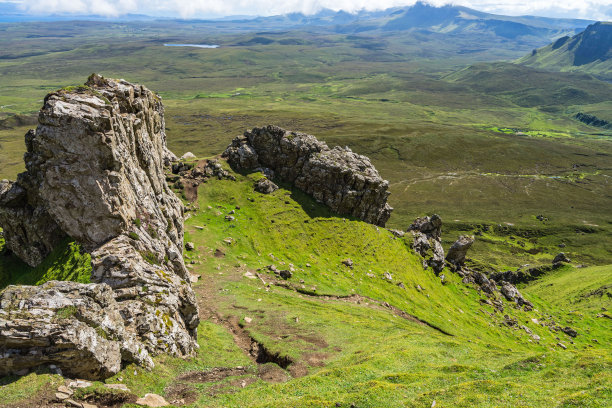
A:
[95,173]
[344,181]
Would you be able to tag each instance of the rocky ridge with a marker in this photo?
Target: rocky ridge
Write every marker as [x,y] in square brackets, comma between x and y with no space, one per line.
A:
[95,173]
[427,242]
[344,181]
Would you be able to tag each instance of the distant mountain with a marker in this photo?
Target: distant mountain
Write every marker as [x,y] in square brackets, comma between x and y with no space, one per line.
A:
[589,51]
[420,16]
[462,20]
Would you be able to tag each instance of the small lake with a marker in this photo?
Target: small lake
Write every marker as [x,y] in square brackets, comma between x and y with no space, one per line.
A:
[192,45]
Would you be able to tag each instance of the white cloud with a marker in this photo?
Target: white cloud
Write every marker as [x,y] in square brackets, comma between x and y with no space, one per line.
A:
[591,9]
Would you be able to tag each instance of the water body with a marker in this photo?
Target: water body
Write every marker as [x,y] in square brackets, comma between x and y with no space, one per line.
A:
[192,45]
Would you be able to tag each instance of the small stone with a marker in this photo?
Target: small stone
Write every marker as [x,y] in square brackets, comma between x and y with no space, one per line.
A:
[249,275]
[190,246]
[121,387]
[79,384]
[388,276]
[248,319]
[265,186]
[65,390]
[193,278]
[401,285]
[152,400]
[188,156]
[308,265]
[563,346]
[229,218]
[569,331]
[285,274]
[348,262]
[62,395]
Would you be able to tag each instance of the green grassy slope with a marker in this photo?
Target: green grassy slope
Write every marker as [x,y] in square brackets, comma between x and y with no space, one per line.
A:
[345,335]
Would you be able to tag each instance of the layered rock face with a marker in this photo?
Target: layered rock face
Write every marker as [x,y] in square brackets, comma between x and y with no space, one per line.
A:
[95,173]
[344,181]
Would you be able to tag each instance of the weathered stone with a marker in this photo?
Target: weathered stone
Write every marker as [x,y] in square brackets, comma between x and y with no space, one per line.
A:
[569,331]
[344,181]
[348,262]
[560,258]
[76,326]
[188,156]
[265,186]
[95,172]
[285,274]
[511,293]
[426,233]
[457,252]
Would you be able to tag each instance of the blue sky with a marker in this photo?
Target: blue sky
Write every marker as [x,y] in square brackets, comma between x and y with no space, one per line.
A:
[589,9]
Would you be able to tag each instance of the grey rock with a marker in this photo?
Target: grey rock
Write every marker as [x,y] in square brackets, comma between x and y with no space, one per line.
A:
[569,331]
[265,186]
[285,274]
[511,293]
[76,326]
[457,252]
[426,234]
[344,181]
[348,262]
[560,258]
[95,172]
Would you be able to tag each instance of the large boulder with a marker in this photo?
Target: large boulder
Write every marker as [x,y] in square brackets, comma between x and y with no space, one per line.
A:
[95,173]
[457,252]
[345,181]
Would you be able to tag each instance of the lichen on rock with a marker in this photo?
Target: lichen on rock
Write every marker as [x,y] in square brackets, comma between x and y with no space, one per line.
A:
[95,173]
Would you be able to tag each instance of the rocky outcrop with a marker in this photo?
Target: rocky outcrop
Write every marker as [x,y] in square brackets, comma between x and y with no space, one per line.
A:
[426,232]
[427,242]
[344,181]
[560,258]
[265,186]
[457,251]
[95,173]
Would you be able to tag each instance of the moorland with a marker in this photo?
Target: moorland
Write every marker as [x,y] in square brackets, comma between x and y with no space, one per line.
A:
[459,128]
